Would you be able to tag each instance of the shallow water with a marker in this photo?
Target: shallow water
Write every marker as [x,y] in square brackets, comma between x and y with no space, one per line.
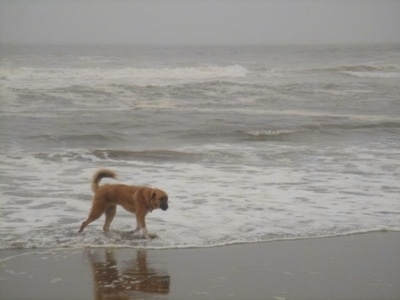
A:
[251,143]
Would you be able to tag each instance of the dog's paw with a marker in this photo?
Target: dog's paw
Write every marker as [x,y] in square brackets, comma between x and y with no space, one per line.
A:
[150,236]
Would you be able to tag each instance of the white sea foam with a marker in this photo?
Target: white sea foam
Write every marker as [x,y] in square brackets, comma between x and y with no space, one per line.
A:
[210,204]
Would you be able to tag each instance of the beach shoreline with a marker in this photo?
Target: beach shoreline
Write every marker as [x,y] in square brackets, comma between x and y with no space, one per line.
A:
[360,266]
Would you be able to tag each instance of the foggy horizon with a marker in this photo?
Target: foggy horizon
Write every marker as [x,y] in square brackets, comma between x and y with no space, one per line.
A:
[220,22]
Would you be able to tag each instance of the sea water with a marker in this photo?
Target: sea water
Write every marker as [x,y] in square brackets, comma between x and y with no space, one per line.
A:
[252,143]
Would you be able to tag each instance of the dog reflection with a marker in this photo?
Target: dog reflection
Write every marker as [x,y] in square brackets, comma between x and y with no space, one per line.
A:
[113,281]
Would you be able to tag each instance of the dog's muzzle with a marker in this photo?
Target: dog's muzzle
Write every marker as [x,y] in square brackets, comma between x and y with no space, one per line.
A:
[164,205]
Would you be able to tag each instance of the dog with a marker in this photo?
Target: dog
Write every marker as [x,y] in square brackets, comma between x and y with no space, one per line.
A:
[139,200]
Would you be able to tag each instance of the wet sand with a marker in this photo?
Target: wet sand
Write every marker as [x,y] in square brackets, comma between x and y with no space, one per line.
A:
[362,266]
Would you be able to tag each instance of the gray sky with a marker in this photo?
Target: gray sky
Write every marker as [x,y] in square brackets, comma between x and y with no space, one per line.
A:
[199,21]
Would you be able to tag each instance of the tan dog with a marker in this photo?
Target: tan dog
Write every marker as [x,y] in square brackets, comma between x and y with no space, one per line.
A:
[136,199]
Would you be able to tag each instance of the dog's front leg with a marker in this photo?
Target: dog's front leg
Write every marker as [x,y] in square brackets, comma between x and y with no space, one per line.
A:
[141,224]
[145,233]
[136,230]
[137,226]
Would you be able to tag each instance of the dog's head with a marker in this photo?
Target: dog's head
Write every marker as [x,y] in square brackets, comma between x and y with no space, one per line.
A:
[158,199]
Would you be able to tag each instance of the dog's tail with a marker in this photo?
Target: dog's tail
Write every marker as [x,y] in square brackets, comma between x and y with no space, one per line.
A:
[102,173]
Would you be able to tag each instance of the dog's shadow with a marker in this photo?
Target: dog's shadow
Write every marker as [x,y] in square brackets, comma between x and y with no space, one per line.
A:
[113,280]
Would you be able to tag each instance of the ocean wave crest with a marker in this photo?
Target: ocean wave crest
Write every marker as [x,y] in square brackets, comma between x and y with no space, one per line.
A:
[281,134]
[188,155]
[153,155]
[268,133]
[366,70]
[61,77]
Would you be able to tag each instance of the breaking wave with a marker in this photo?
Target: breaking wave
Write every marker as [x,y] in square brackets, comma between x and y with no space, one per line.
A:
[188,155]
[366,70]
[279,134]
[61,77]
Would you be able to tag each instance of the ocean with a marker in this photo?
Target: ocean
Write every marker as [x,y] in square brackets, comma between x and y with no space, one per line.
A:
[252,143]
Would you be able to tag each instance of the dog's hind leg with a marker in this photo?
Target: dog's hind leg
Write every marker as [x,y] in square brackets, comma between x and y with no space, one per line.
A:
[110,214]
[94,214]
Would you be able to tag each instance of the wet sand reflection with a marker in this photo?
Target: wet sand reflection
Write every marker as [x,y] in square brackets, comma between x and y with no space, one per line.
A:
[121,279]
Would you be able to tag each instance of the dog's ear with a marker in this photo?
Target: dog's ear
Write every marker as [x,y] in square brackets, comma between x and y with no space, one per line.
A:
[153,200]
[147,194]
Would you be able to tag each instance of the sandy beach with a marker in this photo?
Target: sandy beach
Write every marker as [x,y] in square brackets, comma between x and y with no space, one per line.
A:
[362,266]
